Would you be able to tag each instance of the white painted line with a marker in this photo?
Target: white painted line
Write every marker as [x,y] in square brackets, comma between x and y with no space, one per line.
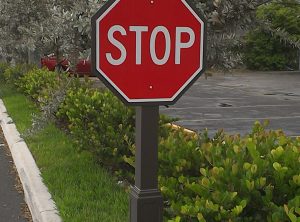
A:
[218,98]
[37,196]
[229,107]
[248,119]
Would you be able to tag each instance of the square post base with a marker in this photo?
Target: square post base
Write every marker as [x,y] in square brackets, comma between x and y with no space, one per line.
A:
[146,205]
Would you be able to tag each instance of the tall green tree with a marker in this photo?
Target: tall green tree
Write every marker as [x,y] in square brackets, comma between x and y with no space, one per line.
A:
[65,25]
[275,46]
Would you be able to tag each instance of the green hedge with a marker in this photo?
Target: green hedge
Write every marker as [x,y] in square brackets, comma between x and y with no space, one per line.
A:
[231,178]
[13,73]
[264,51]
[100,123]
[225,178]
[39,84]
[3,67]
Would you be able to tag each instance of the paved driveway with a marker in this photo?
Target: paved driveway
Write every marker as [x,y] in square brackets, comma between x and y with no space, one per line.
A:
[234,102]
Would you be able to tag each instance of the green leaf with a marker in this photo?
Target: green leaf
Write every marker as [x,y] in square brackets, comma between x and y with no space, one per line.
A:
[277,166]
[200,217]
[203,172]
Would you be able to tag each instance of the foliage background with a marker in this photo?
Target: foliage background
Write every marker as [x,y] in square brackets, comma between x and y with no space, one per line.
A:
[37,27]
[265,50]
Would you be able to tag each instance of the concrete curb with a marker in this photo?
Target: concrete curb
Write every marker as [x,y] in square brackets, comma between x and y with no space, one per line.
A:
[37,197]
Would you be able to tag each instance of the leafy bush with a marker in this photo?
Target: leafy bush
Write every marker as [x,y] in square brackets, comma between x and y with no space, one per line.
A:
[38,84]
[229,178]
[3,67]
[282,14]
[264,51]
[101,124]
[13,73]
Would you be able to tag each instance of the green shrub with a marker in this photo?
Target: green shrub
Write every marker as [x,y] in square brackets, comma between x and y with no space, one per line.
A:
[13,73]
[282,14]
[100,123]
[3,67]
[264,51]
[39,84]
[229,178]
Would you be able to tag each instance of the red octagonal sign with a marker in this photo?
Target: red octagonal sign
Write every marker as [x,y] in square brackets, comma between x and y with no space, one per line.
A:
[148,51]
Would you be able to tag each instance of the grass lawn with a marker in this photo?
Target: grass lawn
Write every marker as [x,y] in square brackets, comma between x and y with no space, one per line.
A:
[82,190]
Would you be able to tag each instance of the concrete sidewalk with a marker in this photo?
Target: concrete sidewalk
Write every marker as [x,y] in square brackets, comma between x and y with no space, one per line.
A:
[12,204]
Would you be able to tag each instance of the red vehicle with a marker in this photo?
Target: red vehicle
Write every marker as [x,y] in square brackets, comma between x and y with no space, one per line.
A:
[83,67]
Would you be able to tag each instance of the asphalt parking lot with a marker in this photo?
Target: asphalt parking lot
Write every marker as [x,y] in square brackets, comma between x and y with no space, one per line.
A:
[233,102]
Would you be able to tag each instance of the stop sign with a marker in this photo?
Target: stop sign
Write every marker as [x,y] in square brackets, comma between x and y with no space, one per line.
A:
[148,51]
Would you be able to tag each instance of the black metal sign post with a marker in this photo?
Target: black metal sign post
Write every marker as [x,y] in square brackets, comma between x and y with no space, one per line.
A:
[146,202]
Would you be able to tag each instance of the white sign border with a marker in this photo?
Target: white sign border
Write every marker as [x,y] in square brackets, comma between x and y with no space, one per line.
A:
[152,99]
